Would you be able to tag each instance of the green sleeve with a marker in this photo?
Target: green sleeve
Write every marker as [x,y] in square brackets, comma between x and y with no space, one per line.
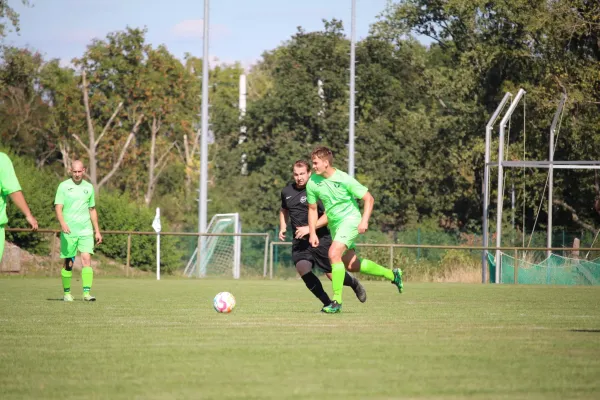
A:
[311,196]
[8,180]
[356,188]
[92,201]
[59,198]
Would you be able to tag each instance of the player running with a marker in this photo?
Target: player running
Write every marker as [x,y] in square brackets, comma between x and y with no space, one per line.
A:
[9,186]
[76,211]
[338,191]
[305,257]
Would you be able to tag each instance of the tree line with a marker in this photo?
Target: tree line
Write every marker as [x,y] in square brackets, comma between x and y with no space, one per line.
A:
[130,109]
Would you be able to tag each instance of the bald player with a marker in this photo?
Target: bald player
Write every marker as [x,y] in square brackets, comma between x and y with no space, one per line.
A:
[76,211]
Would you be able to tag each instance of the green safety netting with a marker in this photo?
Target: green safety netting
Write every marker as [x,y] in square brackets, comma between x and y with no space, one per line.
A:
[554,270]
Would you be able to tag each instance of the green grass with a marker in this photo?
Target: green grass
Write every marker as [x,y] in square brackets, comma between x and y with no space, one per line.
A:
[145,339]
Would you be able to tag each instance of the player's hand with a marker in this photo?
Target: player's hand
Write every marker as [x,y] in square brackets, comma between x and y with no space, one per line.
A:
[301,231]
[282,235]
[314,240]
[65,228]
[98,238]
[362,227]
[33,222]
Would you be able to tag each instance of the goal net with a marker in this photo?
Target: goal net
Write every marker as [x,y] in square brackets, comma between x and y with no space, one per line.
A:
[220,255]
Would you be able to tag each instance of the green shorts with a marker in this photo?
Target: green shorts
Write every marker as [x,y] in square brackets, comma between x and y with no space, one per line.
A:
[70,245]
[346,232]
[2,237]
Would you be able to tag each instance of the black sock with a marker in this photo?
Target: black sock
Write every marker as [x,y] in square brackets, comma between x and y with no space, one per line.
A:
[316,287]
[349,280]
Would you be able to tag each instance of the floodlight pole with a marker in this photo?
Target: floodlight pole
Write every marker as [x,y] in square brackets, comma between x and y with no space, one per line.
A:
[242,106]
[352,79]
[203,196]
[499,202]
[551,171]
[486,181]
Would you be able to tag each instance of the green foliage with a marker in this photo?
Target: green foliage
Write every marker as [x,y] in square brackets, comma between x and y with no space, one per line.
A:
[421,113]
[7,12]
[39,189]
[118,212]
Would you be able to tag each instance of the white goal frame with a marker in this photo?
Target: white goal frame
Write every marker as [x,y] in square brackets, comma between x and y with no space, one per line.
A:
[209,244]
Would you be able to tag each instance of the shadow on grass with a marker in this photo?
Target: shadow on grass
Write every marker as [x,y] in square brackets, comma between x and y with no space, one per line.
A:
[61,299]
[586,330]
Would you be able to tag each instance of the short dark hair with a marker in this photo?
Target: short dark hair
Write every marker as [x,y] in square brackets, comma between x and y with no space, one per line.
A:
[302,163]
[323,153]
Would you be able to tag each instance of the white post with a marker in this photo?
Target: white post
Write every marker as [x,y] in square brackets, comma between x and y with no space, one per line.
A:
[157,229]
[236,246]
[551,172]
[242,107]
[203,184]
[352,91]
[486,181]
[499,198]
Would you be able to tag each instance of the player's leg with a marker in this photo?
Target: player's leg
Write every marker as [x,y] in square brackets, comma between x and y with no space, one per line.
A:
[321,260]
[312,282]
[2,239]
[68,251]
[86,248]
[355,264]
[338,272]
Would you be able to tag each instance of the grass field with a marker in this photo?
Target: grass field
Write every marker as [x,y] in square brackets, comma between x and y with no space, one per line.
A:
[145,339]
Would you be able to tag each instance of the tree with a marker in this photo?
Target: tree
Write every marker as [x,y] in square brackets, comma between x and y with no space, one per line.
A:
[170,95]
[6,12]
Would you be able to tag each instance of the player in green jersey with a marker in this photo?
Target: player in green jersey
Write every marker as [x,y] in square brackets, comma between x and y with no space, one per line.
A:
[9,186]
[338,192]
[76,211]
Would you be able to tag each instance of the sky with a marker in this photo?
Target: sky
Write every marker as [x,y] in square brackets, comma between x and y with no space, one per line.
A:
[240,30]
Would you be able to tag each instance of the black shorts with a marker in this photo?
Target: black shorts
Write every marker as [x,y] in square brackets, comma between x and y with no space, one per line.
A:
[319,256]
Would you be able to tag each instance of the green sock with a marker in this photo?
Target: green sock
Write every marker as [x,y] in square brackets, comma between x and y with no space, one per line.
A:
[338,272]
[66,279]
[370,268]
[87,276]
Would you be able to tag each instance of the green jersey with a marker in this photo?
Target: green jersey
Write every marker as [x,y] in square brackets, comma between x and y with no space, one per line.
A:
[338,194]
[77,201]
[8,184]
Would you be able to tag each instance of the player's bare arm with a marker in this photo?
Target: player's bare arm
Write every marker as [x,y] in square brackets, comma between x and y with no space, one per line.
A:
[94,218]
[302,231]
[18,198]
[283,217]
[367,210]
[313,217]
[59,215]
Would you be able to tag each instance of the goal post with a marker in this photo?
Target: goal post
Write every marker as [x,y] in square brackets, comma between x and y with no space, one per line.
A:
[221,255]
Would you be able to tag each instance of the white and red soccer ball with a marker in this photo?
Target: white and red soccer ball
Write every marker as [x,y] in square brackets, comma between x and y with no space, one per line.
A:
[224,302]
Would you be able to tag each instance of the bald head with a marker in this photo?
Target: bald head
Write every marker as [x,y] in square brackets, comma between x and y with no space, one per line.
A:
[77,171]
[77,164]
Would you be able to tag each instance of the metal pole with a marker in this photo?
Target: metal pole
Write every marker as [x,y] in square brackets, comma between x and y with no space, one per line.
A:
[242,138]
[128,255]
[270,261]
[486,181]
[352,76]
[52,257]
[158,256]
[499,199]
[551,171]
[203,197]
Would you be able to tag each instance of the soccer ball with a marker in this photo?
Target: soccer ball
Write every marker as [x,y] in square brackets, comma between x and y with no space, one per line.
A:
[224,302]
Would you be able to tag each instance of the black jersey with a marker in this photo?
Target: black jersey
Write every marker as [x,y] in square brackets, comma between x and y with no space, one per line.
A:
[294,200]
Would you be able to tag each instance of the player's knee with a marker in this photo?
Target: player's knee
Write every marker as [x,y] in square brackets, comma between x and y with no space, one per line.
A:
[303,267]
[354,265]
[69,263]
[335,254]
